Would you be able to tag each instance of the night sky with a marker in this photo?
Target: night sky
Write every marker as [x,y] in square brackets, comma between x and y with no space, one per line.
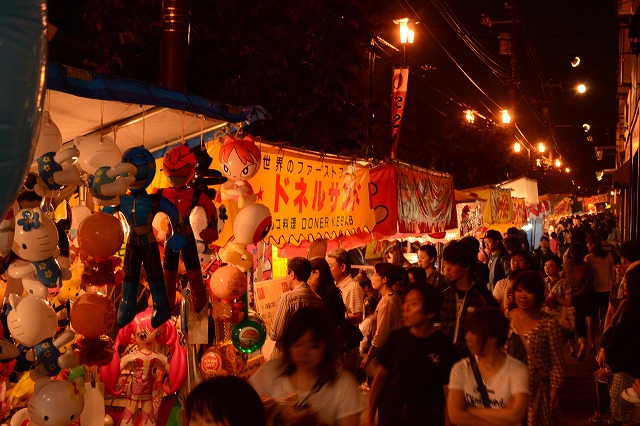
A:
[548,33]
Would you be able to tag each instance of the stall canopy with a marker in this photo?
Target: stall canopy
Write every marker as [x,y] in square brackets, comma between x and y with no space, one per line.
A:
[411,201]
[82,103]
[499,206]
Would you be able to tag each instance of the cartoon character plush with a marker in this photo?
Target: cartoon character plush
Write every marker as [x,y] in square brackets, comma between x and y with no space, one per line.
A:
[100,236]
[33,323]
[54,166]
[227,284]
[145,361]
[54,403]
[139,208]
[35,242]
[252,224]
[240,160]
[179,166]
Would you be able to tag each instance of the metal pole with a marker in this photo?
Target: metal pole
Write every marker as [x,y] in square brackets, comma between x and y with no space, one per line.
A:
[174,45]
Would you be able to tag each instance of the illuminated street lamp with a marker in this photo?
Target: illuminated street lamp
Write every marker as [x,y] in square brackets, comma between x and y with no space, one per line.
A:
[406,36]
[517,148]
[469,116]
[567,170]
[541,147]
[581,88]
[558,162]
[506,118]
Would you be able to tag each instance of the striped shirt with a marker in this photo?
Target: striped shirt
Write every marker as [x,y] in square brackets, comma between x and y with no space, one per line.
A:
[290,302]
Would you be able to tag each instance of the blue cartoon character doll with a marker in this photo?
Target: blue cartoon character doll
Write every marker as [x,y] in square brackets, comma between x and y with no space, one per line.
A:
[139,208]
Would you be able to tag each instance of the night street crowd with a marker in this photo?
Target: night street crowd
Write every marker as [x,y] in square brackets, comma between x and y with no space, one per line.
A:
[476,336]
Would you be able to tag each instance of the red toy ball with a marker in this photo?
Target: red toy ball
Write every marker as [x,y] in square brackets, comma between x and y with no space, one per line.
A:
[100,235]
[92,315]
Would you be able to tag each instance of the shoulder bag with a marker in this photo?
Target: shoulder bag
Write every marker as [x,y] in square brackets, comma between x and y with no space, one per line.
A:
[481,387]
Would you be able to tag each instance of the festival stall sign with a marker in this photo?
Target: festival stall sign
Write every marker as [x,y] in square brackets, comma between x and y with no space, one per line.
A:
[409,200]
[520,212]
[590,203]
[310,197]
[499,206]
[470,217]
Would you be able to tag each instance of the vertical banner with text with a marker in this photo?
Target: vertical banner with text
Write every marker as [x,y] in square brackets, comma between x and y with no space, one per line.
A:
[398,99]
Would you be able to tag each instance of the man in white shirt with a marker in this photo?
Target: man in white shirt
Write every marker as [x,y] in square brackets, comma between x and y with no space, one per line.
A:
[340,265]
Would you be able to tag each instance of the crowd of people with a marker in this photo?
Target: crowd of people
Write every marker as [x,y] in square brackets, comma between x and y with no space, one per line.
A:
[478,336]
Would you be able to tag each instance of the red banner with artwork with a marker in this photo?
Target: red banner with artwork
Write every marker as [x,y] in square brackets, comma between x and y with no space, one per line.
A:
[399,87]
[408,200]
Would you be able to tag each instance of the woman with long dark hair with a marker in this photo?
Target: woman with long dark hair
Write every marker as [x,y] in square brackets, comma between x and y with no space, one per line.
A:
[322,283]
[303,386]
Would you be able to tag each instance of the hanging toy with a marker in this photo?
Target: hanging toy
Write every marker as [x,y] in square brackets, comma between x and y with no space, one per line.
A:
[240,160]
[179,166]
[144,362]
[101,236]
[251,225]
[33,323]
[35,242]
[54,403]
[92,317]
[227,284]
[249,334]
[139,208]
[55,167]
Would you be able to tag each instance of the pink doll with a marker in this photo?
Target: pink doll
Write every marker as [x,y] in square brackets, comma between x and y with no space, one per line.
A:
[240,160]
[144,361]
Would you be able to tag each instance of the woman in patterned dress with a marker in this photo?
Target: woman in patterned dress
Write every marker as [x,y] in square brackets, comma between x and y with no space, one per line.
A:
[536,338]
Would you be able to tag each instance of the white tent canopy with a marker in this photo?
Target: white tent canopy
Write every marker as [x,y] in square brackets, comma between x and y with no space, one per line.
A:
[132,112]
[522,188]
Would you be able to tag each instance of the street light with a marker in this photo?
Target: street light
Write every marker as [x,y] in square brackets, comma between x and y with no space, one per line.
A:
[558,162]
[541,147]
[469,116]
[406,36]
[506,118]
[581,88]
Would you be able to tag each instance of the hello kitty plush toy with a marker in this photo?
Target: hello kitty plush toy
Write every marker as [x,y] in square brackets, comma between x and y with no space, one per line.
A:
[54,403]
[35,242]
[33,323]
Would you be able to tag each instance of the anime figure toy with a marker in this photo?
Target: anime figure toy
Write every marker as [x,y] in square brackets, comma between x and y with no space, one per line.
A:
[179,166]
[54,403]
[144,361]
[139,208]
[240,160]
[35,241]
[33,323]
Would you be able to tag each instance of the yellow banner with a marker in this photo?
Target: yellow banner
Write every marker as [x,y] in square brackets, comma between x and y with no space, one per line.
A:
[311,197]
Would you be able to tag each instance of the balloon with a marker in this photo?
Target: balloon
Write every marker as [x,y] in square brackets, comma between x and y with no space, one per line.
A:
[228,283]
[249,334]
[57,403]
[23,33]
[96,152]
[252,224]
[100,235]
[93,314]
